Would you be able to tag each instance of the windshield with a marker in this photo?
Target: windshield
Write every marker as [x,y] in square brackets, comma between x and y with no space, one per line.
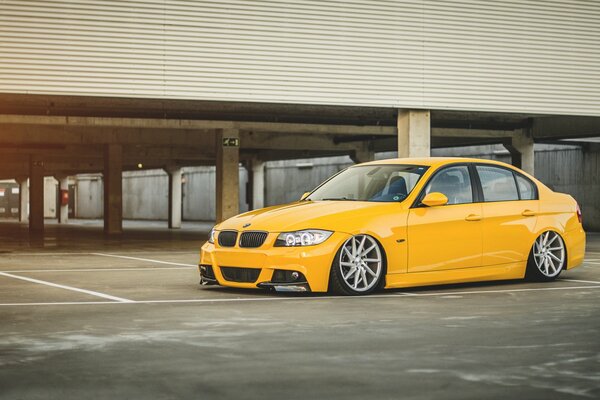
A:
[385,183]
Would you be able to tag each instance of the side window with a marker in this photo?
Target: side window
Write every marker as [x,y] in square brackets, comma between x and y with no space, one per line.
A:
[498,183]
[454,182]
[526,188]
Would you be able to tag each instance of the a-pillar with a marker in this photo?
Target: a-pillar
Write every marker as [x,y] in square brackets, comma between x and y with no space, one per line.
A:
[258,184]
[174,197]
[113,189]
[23,199]
[227,174]
[521,149]
[414,133]
[63,213]
[36,196]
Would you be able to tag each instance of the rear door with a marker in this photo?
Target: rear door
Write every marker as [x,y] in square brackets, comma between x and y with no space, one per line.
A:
[446,237]
[510,207]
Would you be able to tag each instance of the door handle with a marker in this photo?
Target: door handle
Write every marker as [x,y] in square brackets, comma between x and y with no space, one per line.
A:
[528,213]
[473,217]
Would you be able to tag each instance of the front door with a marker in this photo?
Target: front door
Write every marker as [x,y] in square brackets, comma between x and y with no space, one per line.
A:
[449,236]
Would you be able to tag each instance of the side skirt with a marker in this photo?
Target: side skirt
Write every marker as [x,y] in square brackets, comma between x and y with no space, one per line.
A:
[488,273]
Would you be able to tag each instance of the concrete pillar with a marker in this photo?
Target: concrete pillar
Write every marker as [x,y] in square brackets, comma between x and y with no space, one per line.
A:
[36,196]
[174,197]
[521,149]
[414,133]
[23,199]
[363,154]
[258,184]
[63,210]
[228,178]
[113,189]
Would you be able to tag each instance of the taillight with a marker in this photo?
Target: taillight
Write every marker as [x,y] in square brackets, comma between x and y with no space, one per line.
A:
[579,216]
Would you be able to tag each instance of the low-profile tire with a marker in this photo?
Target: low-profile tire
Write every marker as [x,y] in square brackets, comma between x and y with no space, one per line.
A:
[547,258]
[358,267]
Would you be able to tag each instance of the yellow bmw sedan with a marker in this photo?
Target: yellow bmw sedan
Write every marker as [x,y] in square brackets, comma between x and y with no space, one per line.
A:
[401,223]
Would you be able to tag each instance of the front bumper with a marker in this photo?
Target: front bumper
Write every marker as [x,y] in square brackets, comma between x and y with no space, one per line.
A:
[313,263]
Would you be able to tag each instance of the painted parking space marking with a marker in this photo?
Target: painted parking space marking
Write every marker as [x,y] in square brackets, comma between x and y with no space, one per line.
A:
[142,259]
[10,254]
[501,291]
[98,269]
[71,288]
[581,281]
[255,299]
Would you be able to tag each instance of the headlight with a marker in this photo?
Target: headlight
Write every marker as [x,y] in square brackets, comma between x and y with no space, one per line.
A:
[211,235]
[308,237]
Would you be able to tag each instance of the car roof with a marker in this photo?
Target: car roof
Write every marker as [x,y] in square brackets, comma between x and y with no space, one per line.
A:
[432,161]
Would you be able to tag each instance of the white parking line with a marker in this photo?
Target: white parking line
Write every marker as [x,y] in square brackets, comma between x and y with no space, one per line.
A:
[74,289]
[142,259]
[96,269]
[499,291]
[579,280]
[254,299]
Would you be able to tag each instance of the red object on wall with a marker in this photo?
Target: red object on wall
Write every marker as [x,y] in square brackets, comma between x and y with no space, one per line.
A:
[64,197]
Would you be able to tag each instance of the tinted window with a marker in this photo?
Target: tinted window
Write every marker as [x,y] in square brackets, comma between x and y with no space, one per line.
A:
[526,188]
[454,182]
[498,183]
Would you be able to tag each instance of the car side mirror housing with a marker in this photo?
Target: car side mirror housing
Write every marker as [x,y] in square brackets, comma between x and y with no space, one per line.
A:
[435,199]
[305,195]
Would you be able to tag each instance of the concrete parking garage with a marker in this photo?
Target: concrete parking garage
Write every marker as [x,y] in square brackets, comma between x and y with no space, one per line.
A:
[126,319]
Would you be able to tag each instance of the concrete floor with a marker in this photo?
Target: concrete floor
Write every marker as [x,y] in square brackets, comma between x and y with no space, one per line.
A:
[126,319]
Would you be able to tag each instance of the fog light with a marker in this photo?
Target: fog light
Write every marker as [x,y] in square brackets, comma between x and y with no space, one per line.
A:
[295,275]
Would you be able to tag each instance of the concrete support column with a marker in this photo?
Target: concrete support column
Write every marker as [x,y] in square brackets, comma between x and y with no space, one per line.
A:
[363,154]
[174,197]
[36,196]
[228,178]
[258,184]
[23,199]
[414,133]
[63,210]
[113,189]
[521,149]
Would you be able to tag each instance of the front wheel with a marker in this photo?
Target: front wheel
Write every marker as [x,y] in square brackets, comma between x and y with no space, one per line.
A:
[547,258]
[358,267]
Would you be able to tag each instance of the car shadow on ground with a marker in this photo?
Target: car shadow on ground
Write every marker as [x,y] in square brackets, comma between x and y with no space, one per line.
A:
[488,285]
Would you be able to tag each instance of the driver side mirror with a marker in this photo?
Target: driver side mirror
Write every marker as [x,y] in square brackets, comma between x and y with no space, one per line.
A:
[305,195]
[435,199]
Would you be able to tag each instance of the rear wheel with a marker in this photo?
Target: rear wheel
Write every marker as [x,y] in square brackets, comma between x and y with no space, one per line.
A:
[547,258]
[358,267]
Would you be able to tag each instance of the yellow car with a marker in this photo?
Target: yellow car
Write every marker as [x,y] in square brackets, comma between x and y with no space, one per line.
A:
[401,223]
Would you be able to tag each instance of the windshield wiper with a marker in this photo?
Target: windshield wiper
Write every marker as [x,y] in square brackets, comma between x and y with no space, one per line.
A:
[339,198]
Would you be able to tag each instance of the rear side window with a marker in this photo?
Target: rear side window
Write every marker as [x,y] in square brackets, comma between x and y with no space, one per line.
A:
[526,188]
[454,182]
[498,184]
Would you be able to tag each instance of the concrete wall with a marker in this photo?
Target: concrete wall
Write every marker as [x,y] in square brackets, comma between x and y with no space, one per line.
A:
[89,196]
[286,181]
[565,169]
[199,193]
[50,197]
[145,194]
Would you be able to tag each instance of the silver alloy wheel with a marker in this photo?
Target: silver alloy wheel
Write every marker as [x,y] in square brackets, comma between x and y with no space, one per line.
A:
[549,254]
[361,262]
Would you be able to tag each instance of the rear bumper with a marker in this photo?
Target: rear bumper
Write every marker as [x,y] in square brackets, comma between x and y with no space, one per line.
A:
[313,262]
[575,242]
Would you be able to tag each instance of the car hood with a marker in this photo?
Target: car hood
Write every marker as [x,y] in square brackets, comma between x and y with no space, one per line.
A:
[340,216]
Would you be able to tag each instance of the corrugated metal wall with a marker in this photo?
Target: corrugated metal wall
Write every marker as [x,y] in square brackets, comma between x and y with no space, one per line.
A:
[518,56]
